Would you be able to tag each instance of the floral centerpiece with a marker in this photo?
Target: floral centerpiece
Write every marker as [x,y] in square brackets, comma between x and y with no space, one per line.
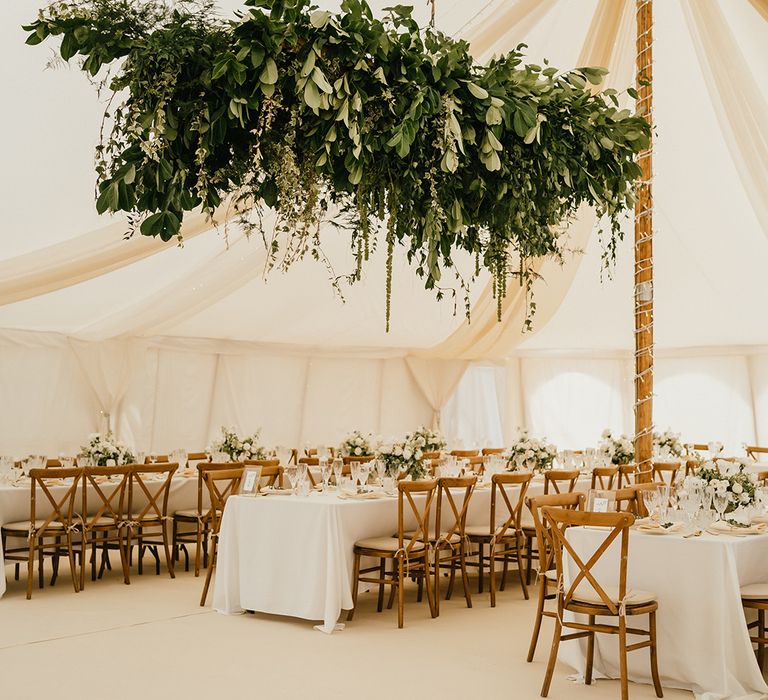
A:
[238,448]
[103,449]
[406,456]
[356,444]
[619,450]
[429,440]
[723,476]
[528,449]
[669,442]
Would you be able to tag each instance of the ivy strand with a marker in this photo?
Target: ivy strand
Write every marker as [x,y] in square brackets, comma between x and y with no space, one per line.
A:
[378,125]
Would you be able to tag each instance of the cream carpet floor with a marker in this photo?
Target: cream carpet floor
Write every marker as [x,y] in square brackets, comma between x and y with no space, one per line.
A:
[152,640]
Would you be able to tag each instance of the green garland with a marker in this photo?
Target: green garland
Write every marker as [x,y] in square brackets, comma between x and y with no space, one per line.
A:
[346,118]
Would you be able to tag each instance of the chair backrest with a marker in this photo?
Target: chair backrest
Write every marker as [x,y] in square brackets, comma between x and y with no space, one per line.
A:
[557,521]
[201,487]
[512,508]
[457,517]
[153,483]
[666,472]
[475,463]
[492,451]
[762,478]
[560,480]
[357,458]
[465,453]
[62,507]
[98,503]
[159,459]
[754,451]
[221,484]
[603,477]
[640,509]
[271,471]
[627,475]
[420,511]
[198,457]
[696,447]
[431,455]
[573,501]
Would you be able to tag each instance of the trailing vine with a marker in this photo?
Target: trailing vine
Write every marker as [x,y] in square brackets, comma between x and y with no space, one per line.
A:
[375,124]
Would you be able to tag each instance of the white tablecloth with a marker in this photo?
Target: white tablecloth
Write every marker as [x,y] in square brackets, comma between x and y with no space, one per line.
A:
[14,504]
[293,556]
[702,634]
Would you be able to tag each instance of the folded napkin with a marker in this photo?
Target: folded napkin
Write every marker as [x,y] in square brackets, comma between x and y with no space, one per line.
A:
[276,492]
[722,527]
[760,518]
[369,495]
[186,473]
[658,529]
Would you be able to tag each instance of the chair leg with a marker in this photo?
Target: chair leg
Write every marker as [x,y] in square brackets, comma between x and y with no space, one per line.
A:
[539,617]
[452,578]
[504,572]
[465,576]
[623,658]
[437,583]
[168,558]
[492,574]
[140,550]
[393,588]
[55,562]
[480,569]
[93,559]
[520,564]
[433,610]
[128,555]
[420,589]
[41,562]
[590,653]
[72,567]
[30,566]
[552,659]
[654,655]
[356,585]
[209,573]
[199,549]
[761,634]
[382,576]
[400,592]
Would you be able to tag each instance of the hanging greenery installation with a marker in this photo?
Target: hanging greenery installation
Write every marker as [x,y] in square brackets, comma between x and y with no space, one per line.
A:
[387,128]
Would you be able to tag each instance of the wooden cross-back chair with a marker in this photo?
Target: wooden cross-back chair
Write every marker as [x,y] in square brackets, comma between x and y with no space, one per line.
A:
[755,451]
[463,454]
[666,472]
[627,475]
[221,484]
[104,509]
[505,542]
[547,577]
[630,499]
[452,538]
[191,525]
[560,480]
[434,454]
[149,486]
[271,471]
[43,535]
[159,459]
[585,595]
[696,447]
[408,552]
[311,462]
[604,477]
[492,451]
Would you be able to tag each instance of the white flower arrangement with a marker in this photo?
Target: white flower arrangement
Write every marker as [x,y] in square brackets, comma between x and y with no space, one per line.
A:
[531,452]
[406,456]
[619,450]
[103,449]
[428,440]
[239,448]
[356,444]
[723,476]
[669,442]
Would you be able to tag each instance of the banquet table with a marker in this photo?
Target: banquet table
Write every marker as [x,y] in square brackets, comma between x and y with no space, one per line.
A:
[15,503]
[293,556]
[703,642]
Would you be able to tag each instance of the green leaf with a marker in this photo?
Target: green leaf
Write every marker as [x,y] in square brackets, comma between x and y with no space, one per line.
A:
[477,91]
[164,224]
[108,199]
[319,79]
[311,95]
[319,18]
[309,64]
[269,74]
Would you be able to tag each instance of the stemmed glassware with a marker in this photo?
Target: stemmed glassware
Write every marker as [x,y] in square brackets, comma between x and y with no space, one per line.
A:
[365,472]
[283,454]
[291,471]
[381,470]
[354,468]
[720,502]
[325,474]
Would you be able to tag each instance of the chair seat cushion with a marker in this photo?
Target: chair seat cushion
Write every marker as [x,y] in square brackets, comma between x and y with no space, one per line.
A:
[755,591]
[586,594]
[103,520]
[385,544]
[482,531]
[454,539]
[189,513]
[23,525]
[153,517]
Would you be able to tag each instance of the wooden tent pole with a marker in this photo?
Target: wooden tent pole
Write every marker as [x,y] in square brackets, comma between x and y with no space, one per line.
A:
[644,249]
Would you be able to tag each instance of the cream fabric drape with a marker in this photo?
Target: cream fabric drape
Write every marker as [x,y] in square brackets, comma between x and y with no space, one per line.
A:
[87,256]
[437,380]
[741,108]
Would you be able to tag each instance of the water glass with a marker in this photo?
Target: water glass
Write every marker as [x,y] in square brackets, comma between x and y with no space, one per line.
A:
[720,502]
[390,485]
[325,474]
[338,470]
[291,471]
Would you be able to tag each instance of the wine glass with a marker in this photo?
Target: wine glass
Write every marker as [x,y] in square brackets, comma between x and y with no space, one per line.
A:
[302,471]
[338,470]
[325,474]
[323,453]
[291,471]
[381,470]
[283,454]
[720,502]
[651,501]
[354,467]
[365,472]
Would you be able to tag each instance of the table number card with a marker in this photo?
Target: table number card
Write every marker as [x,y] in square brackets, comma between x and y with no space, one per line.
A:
[600,501]
[249,485]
